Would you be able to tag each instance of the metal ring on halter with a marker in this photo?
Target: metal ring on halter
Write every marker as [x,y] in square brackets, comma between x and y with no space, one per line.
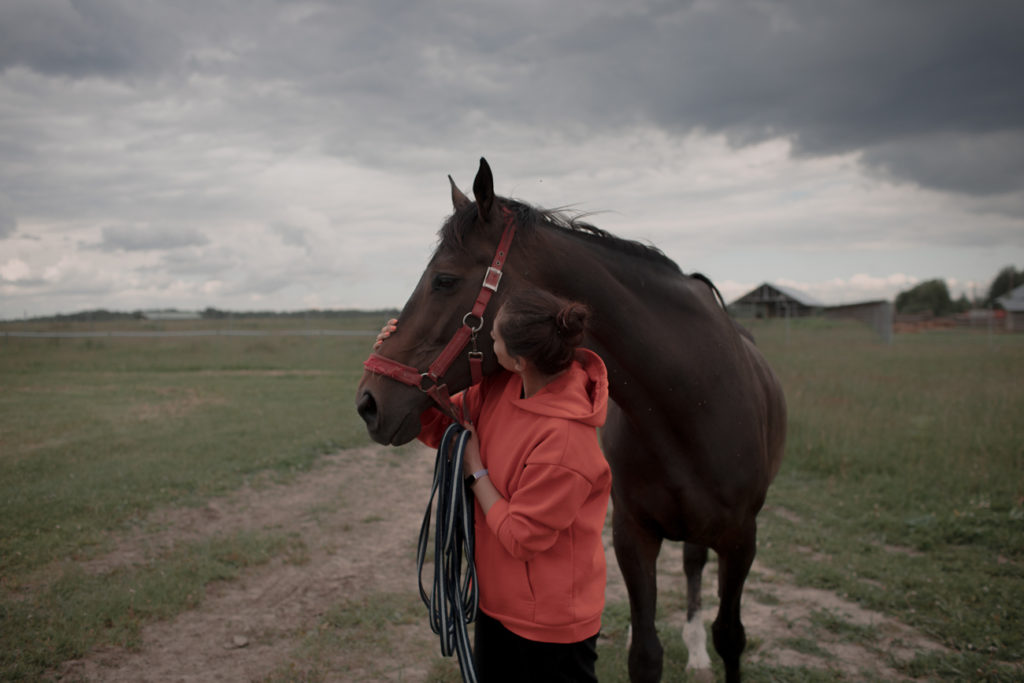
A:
[472,329]
[427,376]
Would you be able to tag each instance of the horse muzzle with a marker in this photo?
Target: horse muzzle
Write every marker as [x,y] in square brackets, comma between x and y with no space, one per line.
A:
[394,425]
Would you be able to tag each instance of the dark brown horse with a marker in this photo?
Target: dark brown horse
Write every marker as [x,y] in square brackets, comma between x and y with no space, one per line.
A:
[696,432]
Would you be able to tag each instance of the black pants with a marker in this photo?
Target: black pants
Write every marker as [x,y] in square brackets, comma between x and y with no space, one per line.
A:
[501,655]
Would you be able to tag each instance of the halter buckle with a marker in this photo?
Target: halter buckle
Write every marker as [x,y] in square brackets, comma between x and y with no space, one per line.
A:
[492,278]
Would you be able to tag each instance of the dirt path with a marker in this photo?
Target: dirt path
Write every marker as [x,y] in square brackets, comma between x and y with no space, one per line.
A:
[359,516]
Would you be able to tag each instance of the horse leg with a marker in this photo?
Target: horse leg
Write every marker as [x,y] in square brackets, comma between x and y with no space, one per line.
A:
[734,560]
[694,635]
[637,552]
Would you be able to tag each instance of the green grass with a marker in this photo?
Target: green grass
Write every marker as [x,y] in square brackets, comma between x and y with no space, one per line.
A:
[77,610]
[612,656]
[351,320]
[97,433]
[904,477]
[352,640]
[905,472]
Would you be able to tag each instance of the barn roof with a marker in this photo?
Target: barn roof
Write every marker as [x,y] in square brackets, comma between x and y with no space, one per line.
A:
[768,292]
[1013,301]
[802,297]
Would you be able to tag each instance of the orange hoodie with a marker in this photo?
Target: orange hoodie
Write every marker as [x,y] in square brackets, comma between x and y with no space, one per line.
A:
[539,556]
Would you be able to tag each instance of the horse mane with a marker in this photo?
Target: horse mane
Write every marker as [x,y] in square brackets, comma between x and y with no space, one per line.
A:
[455,229]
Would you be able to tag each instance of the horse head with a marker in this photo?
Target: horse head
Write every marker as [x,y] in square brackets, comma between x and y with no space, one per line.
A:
[438,308]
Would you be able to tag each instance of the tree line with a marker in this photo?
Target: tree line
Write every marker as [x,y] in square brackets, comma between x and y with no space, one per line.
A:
[929,297]
[932,296]
[209,313]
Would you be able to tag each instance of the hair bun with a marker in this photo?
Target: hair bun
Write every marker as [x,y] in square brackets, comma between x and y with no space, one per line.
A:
[543,328]
[571,322]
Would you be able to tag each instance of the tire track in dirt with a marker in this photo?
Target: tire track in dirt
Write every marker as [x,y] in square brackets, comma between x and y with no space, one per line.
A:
[358,515]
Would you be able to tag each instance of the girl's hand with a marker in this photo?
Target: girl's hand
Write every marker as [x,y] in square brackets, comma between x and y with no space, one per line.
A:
[385,332]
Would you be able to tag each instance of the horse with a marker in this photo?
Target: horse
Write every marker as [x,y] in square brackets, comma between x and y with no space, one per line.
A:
[697,419]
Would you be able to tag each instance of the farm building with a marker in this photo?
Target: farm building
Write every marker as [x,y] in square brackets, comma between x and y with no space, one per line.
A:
[1013,304]
[775,301]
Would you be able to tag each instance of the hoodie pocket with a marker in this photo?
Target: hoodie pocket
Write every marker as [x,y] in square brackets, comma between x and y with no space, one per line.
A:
[507,589]
[553,581]
[529,582]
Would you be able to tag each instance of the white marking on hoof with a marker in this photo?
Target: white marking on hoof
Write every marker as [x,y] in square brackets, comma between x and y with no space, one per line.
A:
[629,637]
[696,639]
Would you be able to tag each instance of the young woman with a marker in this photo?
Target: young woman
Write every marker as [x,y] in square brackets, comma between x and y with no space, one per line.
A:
[541,485]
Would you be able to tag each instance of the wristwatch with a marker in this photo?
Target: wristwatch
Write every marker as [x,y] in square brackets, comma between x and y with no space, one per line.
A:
[473,478]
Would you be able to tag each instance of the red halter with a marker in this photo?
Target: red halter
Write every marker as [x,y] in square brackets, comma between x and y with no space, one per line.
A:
[429,382]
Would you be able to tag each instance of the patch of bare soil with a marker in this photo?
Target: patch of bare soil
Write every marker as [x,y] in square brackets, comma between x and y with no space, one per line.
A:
[359,516]
[783,621]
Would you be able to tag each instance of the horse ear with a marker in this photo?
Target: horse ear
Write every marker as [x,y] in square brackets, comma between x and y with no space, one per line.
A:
[459,200]
[483,190]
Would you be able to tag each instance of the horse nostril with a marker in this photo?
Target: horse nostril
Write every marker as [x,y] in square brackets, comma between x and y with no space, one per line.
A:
[367,407]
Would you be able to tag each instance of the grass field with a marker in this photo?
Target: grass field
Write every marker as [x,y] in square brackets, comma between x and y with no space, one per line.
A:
[904,474]
[902,488]
[96,433]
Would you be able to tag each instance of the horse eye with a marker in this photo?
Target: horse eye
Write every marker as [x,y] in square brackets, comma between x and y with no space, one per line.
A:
[444,282]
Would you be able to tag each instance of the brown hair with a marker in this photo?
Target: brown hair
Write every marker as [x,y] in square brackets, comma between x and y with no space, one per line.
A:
[542,328]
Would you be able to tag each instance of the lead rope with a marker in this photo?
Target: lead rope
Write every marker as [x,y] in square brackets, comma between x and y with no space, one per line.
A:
[453,598]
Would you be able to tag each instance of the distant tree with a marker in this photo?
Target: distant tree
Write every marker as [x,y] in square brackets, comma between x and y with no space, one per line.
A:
[1009,278]
[962,305]
[931,297]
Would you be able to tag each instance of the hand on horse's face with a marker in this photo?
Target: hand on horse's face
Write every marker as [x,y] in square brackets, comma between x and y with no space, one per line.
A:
[385,332]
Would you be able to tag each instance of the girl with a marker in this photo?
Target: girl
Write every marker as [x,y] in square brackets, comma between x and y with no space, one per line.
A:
[541,486]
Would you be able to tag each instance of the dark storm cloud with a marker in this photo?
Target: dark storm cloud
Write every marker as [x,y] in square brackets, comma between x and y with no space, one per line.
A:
[979,164]
[144,238]
[927,90]
[8,224]
[83,37]
[923,87]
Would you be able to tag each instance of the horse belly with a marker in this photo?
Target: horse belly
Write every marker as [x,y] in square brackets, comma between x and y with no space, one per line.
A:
[683,489]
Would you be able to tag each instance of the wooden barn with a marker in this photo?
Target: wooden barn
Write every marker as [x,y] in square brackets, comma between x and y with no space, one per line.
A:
[775,301]
[1013,304]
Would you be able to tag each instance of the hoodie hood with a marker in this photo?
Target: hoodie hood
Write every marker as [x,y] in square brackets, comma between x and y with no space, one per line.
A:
[580,393]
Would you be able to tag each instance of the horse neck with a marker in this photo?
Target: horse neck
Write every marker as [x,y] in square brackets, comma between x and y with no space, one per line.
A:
[631,298]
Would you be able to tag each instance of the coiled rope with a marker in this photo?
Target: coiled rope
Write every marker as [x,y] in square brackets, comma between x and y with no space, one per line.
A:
[453,598]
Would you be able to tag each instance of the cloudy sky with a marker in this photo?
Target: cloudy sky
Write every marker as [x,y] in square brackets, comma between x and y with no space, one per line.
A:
[288,155]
